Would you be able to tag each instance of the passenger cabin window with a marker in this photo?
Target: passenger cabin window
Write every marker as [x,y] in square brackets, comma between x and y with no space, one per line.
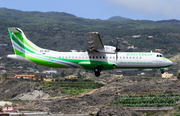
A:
[103,56]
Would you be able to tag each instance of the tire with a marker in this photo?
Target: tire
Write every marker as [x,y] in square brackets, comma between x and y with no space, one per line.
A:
[97,74]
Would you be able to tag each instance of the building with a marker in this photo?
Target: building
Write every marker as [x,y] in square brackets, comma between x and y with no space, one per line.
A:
[132,47]
[3,45]
[166,75]
[158,50]
[150,37]
[50,71]
[48,80]
[71,77]
[2,65]
[141,73]
[136,36]
[125,42]
[25,76]
[118,76]
[10,110]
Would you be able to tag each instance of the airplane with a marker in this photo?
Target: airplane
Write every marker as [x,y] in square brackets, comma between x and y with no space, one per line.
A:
[98,56]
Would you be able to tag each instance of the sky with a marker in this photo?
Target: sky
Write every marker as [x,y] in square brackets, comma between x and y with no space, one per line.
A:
[102,9]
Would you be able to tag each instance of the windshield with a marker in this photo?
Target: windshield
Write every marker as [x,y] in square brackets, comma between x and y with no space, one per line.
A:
[160,55]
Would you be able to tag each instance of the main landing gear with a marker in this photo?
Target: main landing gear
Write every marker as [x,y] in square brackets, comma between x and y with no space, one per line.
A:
[162,71]
[97,70]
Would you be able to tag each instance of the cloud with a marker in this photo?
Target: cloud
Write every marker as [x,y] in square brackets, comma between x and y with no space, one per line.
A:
[154,8]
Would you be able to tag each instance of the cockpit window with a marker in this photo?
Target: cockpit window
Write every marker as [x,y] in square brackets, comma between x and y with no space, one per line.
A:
[160,55]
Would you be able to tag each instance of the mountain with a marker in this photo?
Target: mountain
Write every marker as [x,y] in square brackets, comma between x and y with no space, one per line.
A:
[117,18]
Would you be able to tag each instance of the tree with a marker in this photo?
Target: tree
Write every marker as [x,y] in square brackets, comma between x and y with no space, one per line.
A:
[178,75]
[37,78]
[4,76]
[41,77]
[62,74]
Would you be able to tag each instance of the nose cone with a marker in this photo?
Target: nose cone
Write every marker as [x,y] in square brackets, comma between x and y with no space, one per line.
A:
[170,63]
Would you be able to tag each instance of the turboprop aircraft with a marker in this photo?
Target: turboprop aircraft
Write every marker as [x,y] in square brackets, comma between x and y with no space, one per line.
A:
[98,57]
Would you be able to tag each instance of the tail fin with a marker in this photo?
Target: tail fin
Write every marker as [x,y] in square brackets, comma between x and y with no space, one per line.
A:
[21,44]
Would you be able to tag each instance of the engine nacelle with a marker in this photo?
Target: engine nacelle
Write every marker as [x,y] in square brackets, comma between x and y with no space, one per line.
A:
[108,49]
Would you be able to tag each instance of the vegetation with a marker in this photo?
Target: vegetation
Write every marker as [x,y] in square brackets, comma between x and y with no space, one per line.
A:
[179,107]
[178,75]
[72,86]
[150,100]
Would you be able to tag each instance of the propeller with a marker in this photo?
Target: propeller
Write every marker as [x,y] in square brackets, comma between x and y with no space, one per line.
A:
[117,48]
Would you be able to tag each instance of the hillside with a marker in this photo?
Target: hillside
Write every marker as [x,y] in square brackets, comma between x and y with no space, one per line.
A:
[97,102]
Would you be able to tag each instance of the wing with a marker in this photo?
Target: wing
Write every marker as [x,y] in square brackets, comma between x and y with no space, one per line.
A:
[94,43]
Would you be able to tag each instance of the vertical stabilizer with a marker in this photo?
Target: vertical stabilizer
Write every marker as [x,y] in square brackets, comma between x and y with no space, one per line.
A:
[21,44]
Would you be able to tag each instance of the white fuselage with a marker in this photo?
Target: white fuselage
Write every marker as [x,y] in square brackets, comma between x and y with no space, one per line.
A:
[121,60]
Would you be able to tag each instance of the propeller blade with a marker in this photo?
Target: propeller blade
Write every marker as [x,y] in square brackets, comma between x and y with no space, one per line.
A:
[117,49]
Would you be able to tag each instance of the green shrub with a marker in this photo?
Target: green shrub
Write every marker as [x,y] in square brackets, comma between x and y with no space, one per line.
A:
[178,75]
[29,109]
[178,107]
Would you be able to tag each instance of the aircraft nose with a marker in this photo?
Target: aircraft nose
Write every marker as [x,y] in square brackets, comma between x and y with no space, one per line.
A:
[170,62]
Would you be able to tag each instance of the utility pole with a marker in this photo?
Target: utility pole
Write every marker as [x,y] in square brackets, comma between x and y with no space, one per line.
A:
[51,73]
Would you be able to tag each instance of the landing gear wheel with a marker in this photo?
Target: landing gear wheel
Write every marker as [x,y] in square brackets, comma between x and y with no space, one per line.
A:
[162,71]
[97,71]
[97,74]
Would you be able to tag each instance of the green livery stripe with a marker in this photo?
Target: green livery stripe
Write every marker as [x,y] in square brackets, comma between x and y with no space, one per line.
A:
[23,40]
[14,39]
[90,65]
[17,42]
[41,61]
[19,53]
[166,58]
